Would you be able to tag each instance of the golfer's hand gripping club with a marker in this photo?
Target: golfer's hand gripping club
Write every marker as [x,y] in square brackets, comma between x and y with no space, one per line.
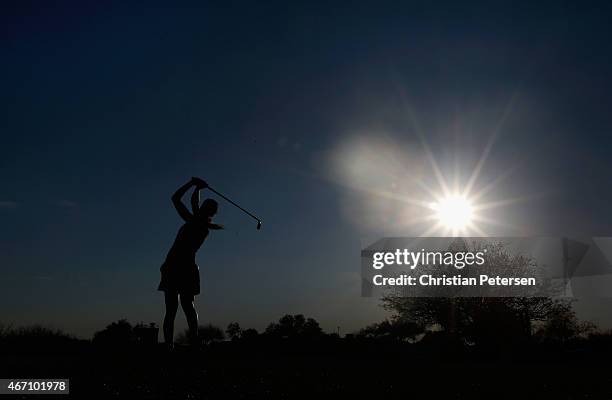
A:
[202,184]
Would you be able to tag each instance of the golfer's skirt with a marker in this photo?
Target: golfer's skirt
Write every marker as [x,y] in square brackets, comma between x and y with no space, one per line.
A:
[180,278]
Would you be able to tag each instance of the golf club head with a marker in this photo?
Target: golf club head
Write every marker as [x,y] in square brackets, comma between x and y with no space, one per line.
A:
[258,225]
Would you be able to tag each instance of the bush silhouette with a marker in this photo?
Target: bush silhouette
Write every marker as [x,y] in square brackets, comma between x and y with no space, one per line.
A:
[207,334]
[119,333]
[36,338]
[294,326]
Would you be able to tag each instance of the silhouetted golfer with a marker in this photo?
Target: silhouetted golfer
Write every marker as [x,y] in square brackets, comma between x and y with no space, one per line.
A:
[180,275]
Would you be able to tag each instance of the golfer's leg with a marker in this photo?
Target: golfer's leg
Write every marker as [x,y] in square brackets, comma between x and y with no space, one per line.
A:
[191,314]
[171,307]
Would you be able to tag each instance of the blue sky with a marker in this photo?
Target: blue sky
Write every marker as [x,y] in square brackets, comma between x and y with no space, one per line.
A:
[107,109]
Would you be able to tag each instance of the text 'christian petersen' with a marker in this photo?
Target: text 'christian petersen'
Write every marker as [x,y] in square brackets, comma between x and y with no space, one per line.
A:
[455,280]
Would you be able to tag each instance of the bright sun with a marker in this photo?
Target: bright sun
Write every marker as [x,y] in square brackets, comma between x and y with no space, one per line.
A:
[454,212]
[410,190]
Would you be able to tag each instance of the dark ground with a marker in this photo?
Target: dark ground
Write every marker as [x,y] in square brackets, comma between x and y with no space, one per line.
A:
[332,370]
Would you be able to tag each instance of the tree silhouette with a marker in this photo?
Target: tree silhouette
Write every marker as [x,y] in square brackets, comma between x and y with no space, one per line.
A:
[394,329]
[293,326]
[233,331]
[249,334]
[563,325]
[481,320]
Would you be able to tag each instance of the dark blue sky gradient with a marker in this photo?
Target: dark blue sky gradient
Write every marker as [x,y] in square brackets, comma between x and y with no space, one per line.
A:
[108,108]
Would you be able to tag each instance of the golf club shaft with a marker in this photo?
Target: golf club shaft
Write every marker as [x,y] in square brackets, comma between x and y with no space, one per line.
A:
[248,213]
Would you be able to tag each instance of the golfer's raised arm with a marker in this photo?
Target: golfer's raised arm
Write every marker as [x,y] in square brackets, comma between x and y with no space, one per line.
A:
[195,200]
[178,203]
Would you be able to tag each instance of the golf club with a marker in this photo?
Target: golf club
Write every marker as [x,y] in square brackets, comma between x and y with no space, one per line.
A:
[245,211]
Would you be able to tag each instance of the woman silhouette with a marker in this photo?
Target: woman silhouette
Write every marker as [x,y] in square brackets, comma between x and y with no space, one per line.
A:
[180,275]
